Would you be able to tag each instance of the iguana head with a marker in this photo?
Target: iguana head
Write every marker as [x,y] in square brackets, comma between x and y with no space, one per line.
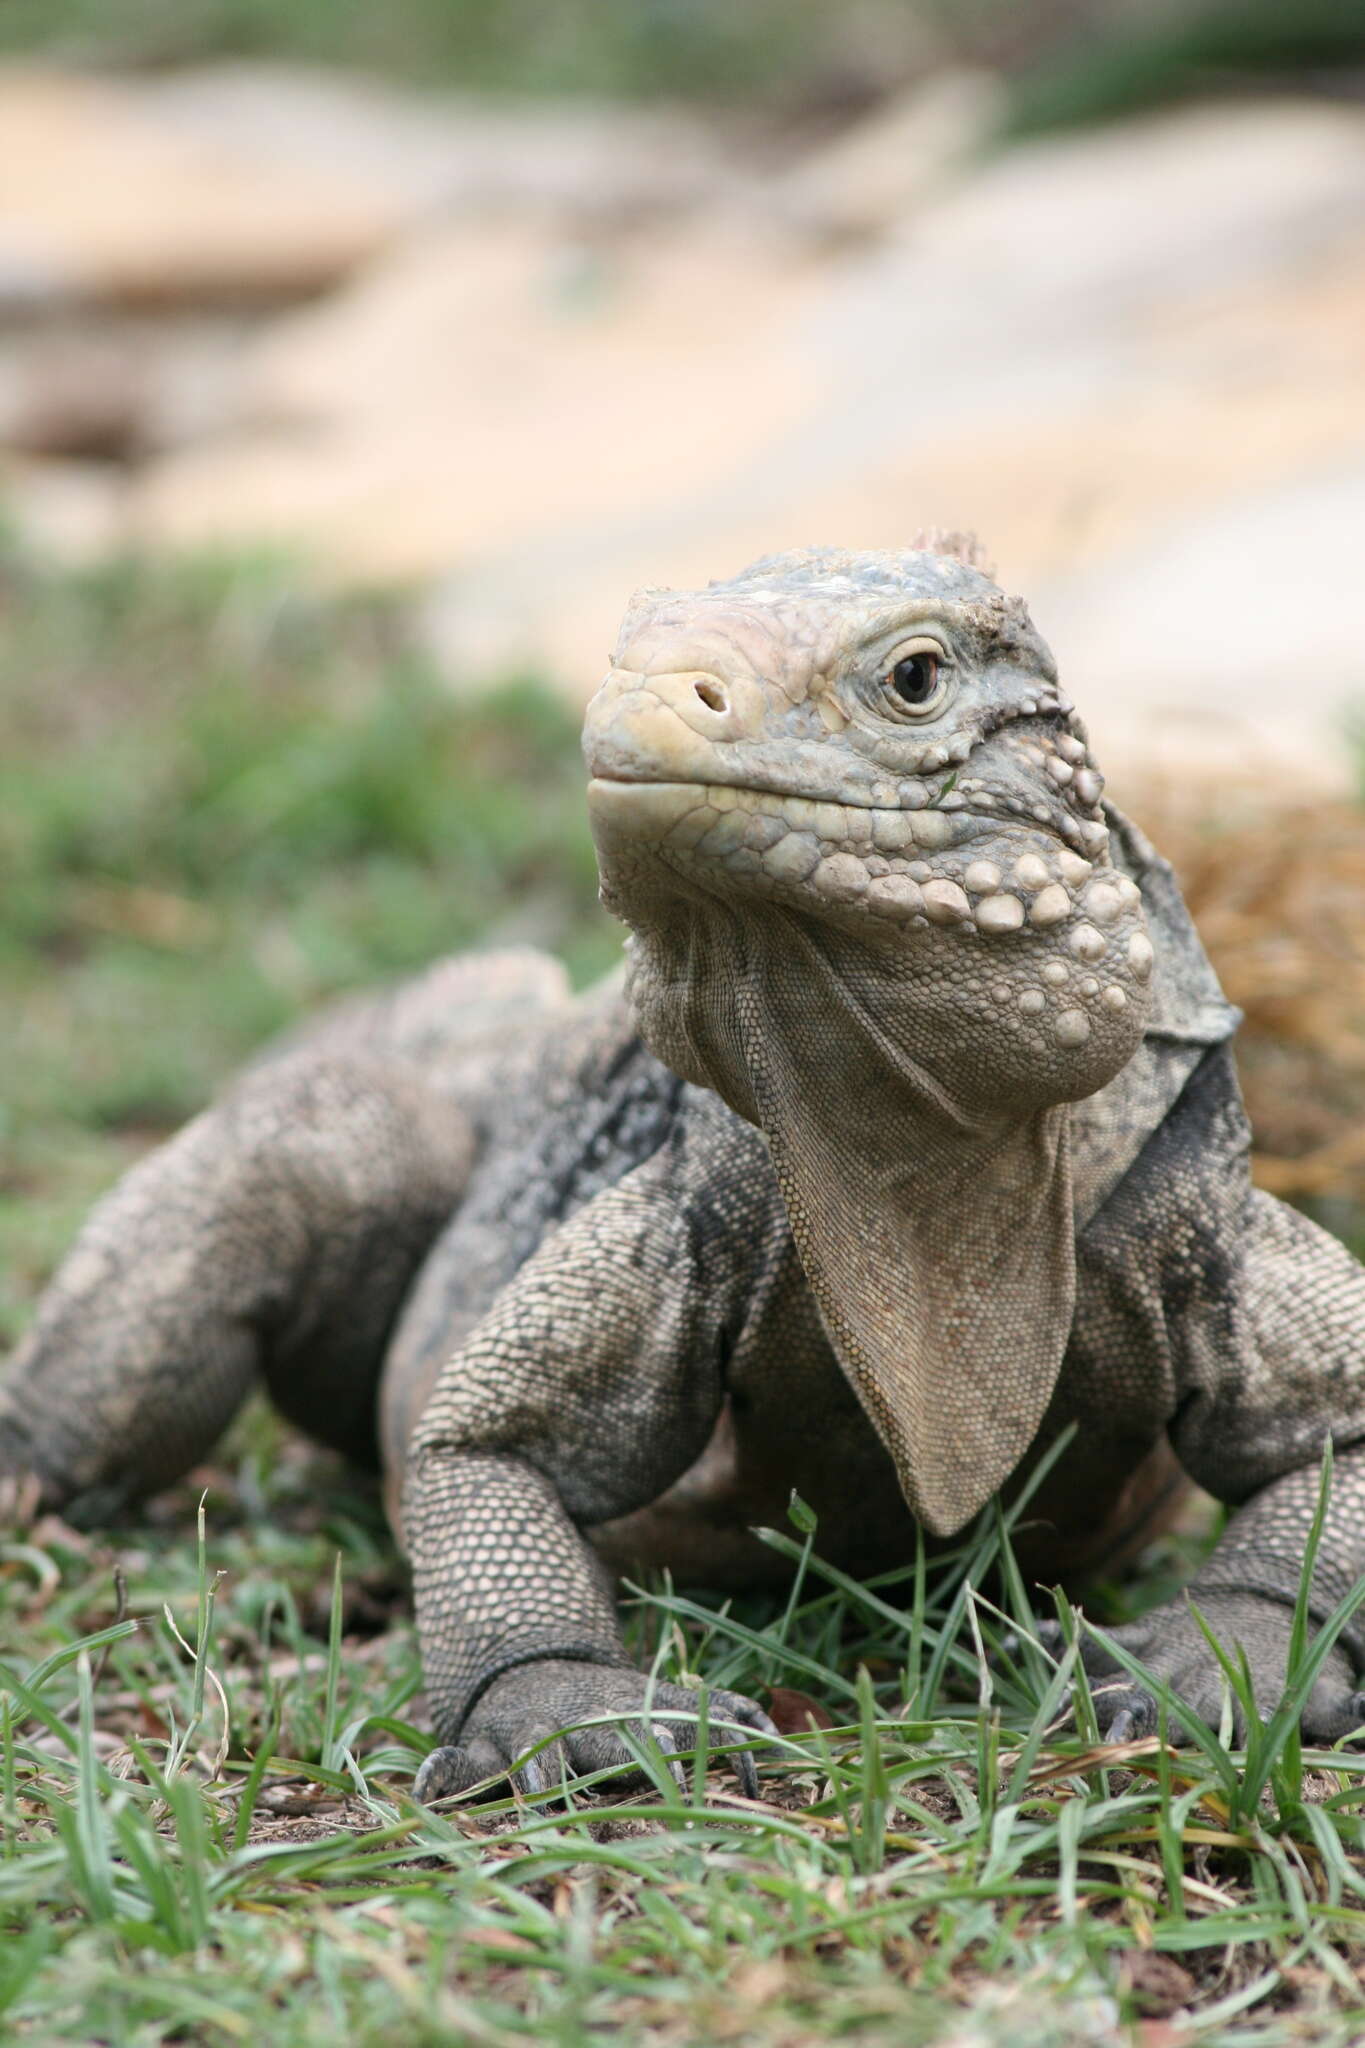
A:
[854,825]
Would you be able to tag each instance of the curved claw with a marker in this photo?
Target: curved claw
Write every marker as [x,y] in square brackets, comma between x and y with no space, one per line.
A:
[455,1768]
[516,1730]
[547,1769]
[747,1715]
[746,1770]
[668,1743]
[1170,1641]
[438,1775]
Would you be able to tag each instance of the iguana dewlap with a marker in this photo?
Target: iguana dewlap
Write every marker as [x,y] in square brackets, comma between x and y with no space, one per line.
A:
[911,1141]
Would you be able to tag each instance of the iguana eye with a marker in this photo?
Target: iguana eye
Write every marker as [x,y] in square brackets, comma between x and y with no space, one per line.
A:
[914,681]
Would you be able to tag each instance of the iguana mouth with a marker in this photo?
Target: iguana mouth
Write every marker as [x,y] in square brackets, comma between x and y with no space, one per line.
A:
[951,814]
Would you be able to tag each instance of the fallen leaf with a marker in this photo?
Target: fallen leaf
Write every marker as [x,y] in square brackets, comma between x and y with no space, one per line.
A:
[796,1713]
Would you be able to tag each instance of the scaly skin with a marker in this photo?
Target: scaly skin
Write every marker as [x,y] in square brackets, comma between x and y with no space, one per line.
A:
[931,1151]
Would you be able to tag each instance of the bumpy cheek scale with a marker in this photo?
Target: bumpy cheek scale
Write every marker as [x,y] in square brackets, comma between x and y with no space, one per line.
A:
[1077,953]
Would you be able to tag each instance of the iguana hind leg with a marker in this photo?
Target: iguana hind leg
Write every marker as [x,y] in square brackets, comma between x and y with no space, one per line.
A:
[276,1234]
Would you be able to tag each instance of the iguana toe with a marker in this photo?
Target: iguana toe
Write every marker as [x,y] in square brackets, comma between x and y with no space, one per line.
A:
[1171,1644]
[455,1768]
[1334,1712]
[509,1733]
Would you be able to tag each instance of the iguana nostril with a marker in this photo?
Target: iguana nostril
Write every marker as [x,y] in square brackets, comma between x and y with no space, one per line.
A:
[712,696]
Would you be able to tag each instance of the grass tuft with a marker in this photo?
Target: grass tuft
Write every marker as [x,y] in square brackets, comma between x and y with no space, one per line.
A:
[923,1865]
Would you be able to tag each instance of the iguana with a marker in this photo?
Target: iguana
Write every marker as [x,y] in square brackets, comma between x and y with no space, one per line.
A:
[909,1141]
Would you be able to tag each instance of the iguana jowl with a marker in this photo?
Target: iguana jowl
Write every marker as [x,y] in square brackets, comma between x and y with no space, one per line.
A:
[912,1141]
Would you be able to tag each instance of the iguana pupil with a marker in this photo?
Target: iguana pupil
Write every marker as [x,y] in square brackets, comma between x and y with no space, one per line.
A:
[915,678]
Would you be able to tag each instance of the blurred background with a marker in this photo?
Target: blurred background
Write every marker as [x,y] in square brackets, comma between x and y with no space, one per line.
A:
[355,364]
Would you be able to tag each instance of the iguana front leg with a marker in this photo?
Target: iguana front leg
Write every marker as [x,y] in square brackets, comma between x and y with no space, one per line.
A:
[1269,1377]
[592,1384]
[1246,1594]
[520,1637]
[278,1233]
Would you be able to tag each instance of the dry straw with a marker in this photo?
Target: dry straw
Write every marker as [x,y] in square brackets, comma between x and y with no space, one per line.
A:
[1278,895]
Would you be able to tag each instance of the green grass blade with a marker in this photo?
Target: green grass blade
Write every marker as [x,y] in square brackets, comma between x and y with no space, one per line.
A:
[89,1823]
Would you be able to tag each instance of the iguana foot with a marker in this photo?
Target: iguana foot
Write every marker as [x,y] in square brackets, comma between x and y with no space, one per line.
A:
[530,1706]
[1171,1643]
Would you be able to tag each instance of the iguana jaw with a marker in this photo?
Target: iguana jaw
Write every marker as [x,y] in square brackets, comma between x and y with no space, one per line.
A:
[989,934]
[770,835]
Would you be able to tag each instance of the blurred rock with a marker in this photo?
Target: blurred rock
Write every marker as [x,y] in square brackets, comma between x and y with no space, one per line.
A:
[448,155]
[565,352]
[113,387]
[101,202]
[875,176]
[1102,352]
[69,511]
[30,279]
[85,396]
[195,388]
[1241,644]
[497,382]
[259,183]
